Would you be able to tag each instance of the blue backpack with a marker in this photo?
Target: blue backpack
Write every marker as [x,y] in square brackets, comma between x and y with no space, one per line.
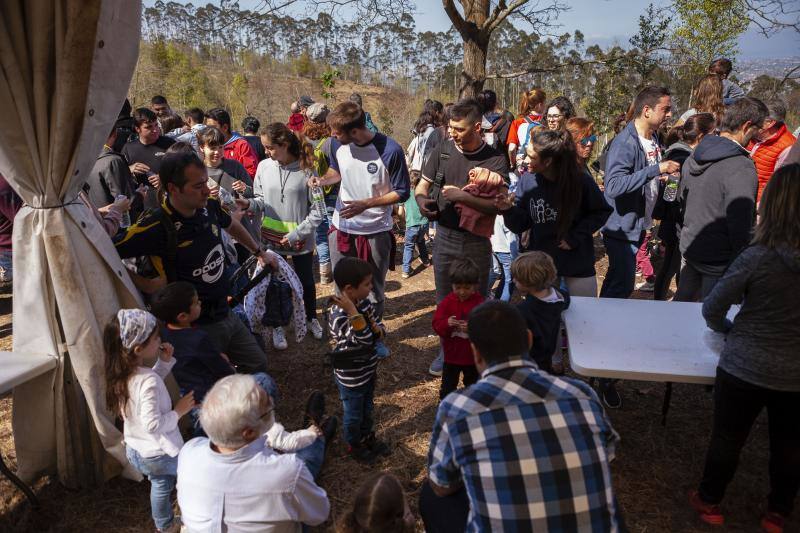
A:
[531,124]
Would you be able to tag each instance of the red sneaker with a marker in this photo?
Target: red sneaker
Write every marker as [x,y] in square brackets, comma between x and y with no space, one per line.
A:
[710,514]
[772,522]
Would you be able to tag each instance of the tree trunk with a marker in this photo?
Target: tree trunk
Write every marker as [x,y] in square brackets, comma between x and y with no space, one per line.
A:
[473,76]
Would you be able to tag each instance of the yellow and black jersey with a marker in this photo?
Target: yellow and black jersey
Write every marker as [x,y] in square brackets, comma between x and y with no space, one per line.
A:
[199,257]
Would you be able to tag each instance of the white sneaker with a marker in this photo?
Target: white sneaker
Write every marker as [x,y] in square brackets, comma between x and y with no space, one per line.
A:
[279,339]
[315,328]
[646,286]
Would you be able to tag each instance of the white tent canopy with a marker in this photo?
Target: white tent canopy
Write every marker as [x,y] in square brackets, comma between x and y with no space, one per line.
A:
[65,68]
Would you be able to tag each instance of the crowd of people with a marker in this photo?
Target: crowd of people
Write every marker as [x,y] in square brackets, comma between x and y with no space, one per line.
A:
[196,209]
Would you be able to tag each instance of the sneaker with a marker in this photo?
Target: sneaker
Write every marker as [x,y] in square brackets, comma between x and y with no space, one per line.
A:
[362,454]
[646,286]
[381,350]
[426,263]
[315,409]
[405,275]
[772,522]
[315,328]
[325,276]
[610,396]
[329,428]
[710,514]
[376,446]
[279,339]
[437,365]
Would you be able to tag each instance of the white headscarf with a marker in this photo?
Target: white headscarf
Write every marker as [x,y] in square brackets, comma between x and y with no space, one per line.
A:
[135,327]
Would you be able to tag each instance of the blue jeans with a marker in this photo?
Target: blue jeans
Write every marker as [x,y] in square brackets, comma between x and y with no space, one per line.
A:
[414,235]
[358,406]
[162,471]
[323,251]
[264,380]
[621,274]
[501,269]
[313,455]
[6,266]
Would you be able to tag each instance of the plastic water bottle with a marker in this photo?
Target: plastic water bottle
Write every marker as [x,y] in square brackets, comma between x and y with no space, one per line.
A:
[226,199]
[671,190]
[318,201]
[126,216]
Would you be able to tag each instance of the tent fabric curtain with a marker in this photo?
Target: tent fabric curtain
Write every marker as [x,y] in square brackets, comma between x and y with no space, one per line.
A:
[65,68]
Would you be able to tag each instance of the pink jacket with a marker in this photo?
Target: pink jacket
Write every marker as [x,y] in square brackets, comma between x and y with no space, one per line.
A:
[483,183]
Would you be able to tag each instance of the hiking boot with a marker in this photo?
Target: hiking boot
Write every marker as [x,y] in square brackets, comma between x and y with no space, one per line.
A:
[610,396]
[361,454]
[315,328]
[279,339]
[772,522]
[708,513]
[329,428]
[437,365]
[315,409]
[376,446]
[325,276]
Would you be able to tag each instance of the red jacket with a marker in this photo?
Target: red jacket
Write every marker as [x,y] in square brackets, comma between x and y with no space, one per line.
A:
[765,154]
[457,350]
[239,149]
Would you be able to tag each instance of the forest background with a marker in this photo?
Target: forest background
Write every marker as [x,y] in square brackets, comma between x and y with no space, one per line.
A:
[256,62]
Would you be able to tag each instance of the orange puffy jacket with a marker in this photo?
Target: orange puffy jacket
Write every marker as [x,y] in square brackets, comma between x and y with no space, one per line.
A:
[765,154]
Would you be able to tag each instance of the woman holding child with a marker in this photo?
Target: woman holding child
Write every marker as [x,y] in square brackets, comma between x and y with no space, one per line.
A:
[562,206]
[290,221]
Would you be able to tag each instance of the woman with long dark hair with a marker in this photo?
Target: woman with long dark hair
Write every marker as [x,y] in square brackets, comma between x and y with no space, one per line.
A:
[289,219]
[759,366]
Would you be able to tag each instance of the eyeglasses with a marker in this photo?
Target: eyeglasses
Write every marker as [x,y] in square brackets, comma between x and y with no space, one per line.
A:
[590,139]
[554,117]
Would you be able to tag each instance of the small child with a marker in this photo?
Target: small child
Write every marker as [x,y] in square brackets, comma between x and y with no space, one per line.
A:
[416,231]
[200,364]
[137,392]
[380,506]
[354,327]
[450,323]
[534,275]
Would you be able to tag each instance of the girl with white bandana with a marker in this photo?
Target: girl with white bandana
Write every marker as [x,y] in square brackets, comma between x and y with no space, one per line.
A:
[135,390]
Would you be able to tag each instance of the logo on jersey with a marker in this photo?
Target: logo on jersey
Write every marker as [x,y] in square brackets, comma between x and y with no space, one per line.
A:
[372,168]
[213,265]
[215,230]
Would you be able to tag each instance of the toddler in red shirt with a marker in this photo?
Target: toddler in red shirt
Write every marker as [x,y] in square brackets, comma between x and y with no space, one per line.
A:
[450,323]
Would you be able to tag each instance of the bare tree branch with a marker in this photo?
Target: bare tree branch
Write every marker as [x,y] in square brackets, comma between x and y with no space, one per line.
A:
[458,21]
[772,16]
[501,13]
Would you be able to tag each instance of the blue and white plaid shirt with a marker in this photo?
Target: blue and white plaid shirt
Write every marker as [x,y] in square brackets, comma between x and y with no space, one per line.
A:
[531,449]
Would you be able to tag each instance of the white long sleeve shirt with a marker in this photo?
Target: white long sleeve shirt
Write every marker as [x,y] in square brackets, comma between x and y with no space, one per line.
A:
[251,490]
[151,426]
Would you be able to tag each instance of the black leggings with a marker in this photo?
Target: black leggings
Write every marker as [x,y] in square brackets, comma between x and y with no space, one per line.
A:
[670,266]
[303,264]
[737,404]
[450,375]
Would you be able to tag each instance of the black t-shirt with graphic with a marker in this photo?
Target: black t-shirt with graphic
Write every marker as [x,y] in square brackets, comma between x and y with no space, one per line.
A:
[199,258]
[149,154]
[457,173]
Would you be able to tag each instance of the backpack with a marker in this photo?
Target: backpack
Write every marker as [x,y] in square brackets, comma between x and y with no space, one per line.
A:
[144,267]
[278,303]
[490,135]
[531,124]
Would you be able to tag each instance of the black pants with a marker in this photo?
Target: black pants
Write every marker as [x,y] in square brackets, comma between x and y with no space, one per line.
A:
[443,515]
[303,264]
[736,406]
[450,375]
[670,266]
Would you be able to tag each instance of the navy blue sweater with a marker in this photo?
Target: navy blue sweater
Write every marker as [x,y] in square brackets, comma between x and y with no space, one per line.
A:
[537,209]
[626,175]
[544,321]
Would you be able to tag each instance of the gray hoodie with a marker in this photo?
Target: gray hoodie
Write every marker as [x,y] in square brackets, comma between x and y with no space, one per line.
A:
[761,345]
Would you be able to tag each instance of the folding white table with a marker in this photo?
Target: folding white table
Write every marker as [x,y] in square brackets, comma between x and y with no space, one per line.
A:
[642,340]
[16,369]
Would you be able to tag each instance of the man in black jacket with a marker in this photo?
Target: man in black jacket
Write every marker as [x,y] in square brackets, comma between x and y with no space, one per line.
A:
[718,191]
[110,176]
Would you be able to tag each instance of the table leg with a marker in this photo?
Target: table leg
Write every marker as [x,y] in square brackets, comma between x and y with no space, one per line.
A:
[665,405]
[18,482]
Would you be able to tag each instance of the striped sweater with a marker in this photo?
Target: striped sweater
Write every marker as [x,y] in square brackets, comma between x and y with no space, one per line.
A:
[346,336]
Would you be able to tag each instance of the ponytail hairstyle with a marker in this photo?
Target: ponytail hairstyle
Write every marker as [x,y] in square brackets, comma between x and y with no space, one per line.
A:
[558,146]
[379,507]
[530,100]
[121,364]
[279,133]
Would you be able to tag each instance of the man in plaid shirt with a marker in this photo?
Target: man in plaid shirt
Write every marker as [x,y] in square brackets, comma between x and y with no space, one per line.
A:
[530,450]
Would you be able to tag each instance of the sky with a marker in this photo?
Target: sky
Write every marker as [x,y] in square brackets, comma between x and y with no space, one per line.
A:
[603,22]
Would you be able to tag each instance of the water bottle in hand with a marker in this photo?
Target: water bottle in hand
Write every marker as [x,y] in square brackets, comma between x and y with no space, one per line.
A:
[126,215]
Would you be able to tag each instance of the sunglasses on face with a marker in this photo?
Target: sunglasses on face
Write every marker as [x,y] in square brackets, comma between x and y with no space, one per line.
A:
[590,139]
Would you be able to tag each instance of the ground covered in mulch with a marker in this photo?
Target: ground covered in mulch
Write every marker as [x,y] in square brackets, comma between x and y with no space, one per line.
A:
[655,468]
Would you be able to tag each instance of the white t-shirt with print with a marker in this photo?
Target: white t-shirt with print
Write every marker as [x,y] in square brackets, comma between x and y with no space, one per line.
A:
[653,153]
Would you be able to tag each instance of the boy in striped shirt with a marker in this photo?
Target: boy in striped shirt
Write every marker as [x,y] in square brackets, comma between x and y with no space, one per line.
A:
[354,325]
